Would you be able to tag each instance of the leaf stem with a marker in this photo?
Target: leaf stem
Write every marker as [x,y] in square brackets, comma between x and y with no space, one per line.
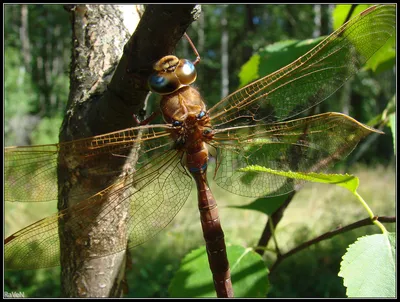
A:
[370,213]
[271,225]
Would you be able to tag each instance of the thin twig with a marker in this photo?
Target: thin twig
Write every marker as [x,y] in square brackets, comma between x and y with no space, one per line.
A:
[350,13]
[274,218]
[330,234]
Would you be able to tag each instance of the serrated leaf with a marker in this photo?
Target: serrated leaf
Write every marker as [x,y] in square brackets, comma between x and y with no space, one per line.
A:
[194,279]
[368,267]
[347,181]
[267,205]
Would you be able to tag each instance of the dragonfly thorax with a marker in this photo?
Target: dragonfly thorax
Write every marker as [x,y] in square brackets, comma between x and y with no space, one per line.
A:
[178,106]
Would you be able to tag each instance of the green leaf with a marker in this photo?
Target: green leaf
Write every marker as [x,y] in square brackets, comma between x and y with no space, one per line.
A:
[368,267]
[341,11]
[390,114]
[194,279]
[382,117]
[265,205]
[383,59]
[347,181]
[249,71]
[274,57]
[386,56]
[392,124]
[280,54]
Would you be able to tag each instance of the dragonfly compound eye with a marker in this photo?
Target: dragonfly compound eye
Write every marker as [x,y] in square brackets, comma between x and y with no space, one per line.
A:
[186,72]
[208,133]
[176,123]
[201,115]
[163,82]
[168,80]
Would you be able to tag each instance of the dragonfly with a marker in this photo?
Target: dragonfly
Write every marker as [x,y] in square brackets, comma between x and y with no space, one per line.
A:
[252,126]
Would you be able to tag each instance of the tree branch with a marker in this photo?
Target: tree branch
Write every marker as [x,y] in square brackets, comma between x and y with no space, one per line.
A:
[105,90]
[330,234]
[275,218]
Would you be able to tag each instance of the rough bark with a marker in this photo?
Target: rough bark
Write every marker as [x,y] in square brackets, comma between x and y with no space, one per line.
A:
[105,90]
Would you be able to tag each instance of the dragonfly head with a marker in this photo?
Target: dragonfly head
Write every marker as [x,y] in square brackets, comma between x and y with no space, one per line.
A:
[171,74]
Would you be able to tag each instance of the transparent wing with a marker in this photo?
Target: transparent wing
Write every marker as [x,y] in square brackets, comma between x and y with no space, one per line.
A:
[311,78]
[30,172]
[151,197]
[306,145]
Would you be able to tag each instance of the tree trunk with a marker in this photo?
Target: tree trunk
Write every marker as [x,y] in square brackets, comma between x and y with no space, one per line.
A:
[108,83]
[317,20]
[224,54]
[24,36]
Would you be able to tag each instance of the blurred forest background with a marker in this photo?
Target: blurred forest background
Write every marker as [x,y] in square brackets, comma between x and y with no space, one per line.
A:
[37,46]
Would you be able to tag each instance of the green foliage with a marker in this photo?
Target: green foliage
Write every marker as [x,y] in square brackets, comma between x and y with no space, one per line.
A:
[368,268]
[249,71]
[266,205]
[36,77]
[350,182]
[274,57]
[43,283]
[19,93]
[341,12]
[194,279]
[383,116]
[386,118]
[382,60]
[311,273]
[392,123]
[47,130]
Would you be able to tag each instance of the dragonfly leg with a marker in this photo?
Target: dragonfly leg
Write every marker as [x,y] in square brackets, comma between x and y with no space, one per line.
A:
[146,121]
[194,49]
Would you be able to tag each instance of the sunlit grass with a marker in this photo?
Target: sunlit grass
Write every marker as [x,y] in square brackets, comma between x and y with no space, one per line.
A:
[316,209]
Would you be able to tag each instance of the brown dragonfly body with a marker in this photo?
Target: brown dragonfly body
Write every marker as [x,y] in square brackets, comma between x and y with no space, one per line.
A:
[185,110]
[249,127]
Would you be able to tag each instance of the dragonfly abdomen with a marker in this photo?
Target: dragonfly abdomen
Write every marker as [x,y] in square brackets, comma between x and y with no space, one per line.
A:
[213,234]
[197,159]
